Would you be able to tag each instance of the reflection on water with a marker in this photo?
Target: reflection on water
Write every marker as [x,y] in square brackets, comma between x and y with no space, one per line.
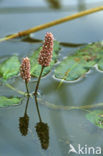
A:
[34,40]
[43,134]
[81,5]
[24,121]
[11,7]
[42,128]
[56,4]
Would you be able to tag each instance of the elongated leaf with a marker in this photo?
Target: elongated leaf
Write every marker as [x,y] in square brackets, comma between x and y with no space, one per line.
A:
[78,64]
[4,101]
[9,68]
[36,68]
[96,117]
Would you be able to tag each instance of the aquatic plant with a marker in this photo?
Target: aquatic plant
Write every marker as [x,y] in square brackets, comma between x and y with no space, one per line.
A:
[40,64]
[45,56]
[25,71]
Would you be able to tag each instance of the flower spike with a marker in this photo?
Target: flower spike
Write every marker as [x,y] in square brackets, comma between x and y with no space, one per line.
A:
[46,52]
[25,69]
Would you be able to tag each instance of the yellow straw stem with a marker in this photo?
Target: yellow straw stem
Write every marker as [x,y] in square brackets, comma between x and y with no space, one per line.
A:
[53,23]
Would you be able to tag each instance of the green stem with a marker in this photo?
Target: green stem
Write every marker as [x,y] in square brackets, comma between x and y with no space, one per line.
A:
[37,86]
[35,93]
[26,84]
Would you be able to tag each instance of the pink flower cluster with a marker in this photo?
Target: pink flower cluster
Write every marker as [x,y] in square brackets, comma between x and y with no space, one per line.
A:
[25,69]
[46,52]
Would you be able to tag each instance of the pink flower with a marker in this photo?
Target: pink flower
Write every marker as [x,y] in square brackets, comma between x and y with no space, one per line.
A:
[46,52]
[25,69]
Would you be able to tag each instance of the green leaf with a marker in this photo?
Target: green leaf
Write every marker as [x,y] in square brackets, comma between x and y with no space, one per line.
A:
[9,68]
[96,117]
[36,68]
[77,65]
[4,101]
[100,64]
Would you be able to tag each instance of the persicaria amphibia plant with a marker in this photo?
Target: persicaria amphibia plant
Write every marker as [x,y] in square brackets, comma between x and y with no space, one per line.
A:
[45,55]
[44,60]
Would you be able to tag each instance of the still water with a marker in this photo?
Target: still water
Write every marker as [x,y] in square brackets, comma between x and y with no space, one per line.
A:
[65,126]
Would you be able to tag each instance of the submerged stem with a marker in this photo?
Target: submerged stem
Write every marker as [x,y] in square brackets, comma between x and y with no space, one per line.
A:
[16,90]
[68,108]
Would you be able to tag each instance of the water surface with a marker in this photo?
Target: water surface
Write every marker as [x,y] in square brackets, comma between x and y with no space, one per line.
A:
[65,127]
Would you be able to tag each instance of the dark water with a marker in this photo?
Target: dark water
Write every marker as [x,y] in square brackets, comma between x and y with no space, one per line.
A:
[65,127]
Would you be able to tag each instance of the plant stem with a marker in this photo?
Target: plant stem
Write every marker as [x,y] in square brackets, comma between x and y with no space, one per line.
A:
[26,84]
[36,89]
[35,93]
[53,23]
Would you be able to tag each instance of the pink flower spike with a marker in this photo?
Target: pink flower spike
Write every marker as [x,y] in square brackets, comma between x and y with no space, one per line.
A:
[47,50]
[25,69]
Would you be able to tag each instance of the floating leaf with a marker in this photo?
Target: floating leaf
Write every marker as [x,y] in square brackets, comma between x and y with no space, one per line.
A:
[4,101]
[96,117]
[100,64]
[36,68]
[78,64]
[9,68]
